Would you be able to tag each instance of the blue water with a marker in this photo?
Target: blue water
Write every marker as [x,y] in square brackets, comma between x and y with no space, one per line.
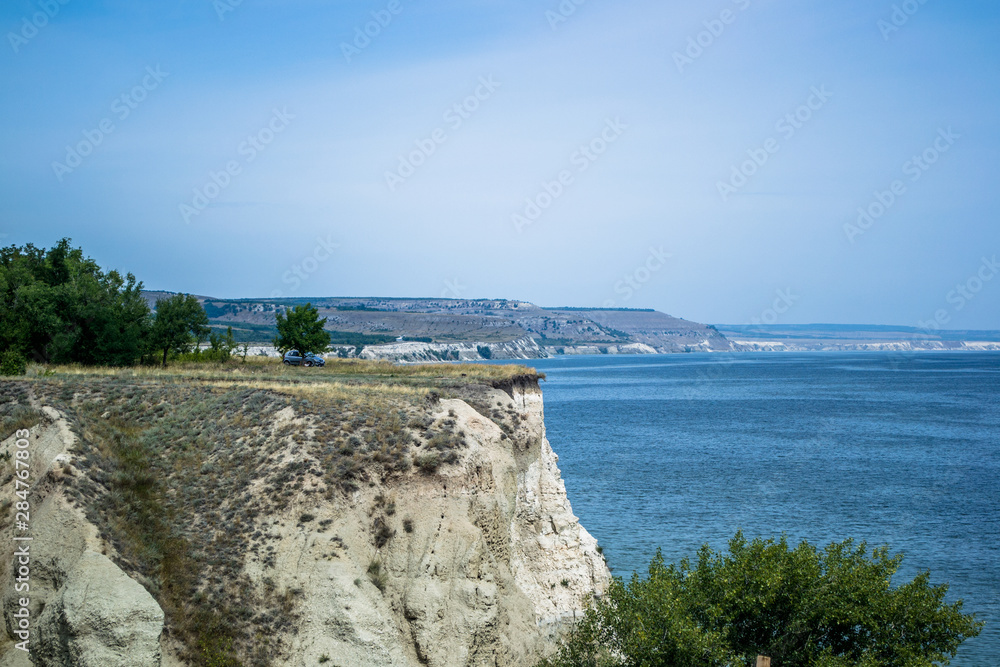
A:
[679,450]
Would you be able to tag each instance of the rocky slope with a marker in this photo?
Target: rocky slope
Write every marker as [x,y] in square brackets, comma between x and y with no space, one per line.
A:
[257,520]
[462,325]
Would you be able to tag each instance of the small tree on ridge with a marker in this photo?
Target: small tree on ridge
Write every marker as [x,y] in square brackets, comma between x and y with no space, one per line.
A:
[301,329]
[180,323]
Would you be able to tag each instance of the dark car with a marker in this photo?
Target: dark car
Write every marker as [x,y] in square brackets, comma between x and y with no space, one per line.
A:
[296,358]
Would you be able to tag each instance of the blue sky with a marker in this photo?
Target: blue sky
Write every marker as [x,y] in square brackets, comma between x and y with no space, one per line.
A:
[706,159]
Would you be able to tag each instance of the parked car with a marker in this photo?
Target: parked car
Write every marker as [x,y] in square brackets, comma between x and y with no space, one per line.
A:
[296,358]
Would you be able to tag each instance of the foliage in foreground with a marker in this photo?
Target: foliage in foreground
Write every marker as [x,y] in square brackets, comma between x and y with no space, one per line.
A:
[301,329]
[801,606]
[180,323]
[59,306]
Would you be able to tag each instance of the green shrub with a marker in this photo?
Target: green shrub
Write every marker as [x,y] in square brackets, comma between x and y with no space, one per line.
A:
[800,606]
[13,363]
[428,462]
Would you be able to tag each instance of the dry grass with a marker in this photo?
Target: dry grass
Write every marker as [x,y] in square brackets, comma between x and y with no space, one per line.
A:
[336,369]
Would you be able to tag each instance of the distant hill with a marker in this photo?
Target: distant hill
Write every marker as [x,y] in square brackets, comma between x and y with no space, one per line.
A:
[855,337]
[376,320]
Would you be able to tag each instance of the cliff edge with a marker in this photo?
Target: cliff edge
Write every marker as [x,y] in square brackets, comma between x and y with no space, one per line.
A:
[253,517]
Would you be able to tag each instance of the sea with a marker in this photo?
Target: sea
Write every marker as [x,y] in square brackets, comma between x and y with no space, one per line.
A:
[898,449]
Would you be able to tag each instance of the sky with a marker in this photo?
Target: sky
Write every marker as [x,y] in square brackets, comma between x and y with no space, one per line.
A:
[724,161]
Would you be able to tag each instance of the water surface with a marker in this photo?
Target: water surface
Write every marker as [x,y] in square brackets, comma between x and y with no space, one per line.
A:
[674,451]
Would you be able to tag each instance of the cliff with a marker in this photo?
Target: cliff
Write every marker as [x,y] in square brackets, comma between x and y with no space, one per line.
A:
[369,516]
[521,348]
[513,329]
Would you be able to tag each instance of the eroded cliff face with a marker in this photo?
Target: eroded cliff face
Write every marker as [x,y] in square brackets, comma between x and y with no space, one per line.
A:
[83,609]
[476,561]
[485,558]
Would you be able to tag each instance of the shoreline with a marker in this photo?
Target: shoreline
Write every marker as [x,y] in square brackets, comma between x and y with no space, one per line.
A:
[520,350]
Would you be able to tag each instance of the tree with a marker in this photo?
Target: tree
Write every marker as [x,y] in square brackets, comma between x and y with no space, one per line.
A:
[301,329]
[220,346]
[800,606]
[60,306]
[180,323]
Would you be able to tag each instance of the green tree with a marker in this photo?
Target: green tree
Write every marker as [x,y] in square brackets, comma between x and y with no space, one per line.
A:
[221,346]
[301,329]
[60,306]
[180,324]
[801,606]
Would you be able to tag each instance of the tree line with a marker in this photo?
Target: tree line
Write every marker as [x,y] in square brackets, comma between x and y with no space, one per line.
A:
[59,306]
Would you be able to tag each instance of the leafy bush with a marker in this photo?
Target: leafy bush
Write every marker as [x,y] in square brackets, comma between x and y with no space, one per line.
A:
[484,351]
[801,606]
[13,363]
[59,306]
[428,462]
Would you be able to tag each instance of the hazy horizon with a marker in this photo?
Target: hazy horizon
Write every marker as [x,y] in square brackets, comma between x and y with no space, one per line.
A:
[707,160]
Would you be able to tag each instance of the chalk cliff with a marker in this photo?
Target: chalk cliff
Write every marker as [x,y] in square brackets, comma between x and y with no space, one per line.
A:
[464,555]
